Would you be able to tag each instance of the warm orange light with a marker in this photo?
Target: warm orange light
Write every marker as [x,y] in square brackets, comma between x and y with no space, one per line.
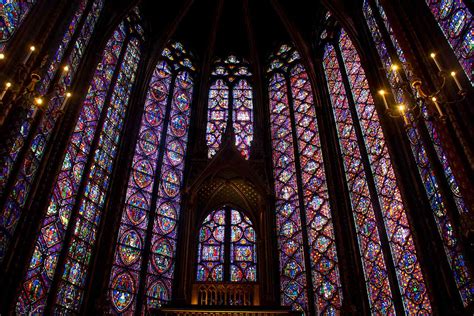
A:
[2,56]
[382,92]
[68,94]
[433,55]
[394,67]
[453,73]
[32,48]
[401,108]
[39,101]
[434,99]
[66,68]
[8,84]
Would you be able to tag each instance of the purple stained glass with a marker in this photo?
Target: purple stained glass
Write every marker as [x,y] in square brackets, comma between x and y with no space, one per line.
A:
[160,266]
[35,288]
[16,198]
[211,248]
[218,111]
[12,14]
[214,235]
[314,206]
[324,266]
[407,266]
[71,286]
[456,22]
[242,116]
[230,85]
[293,280]
[368,236]
[243,249]
[136,211]
[452,246]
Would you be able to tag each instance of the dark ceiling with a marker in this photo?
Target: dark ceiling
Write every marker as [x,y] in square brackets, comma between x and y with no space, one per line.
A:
[232,25]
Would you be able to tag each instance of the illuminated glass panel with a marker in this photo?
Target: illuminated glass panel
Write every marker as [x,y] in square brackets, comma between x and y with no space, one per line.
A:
[456,22]
[230,85]
[211,248]
[16,198]
[81,246]
[410,278]
[451,242]
[243,249]
[167,108]
[221,228]
[375,270]
[242,116]
[293,280]
[160,267]
[320,230]
[36,285]
[218,111]
[12,14]
[124,281]
[293,117]
[396,223]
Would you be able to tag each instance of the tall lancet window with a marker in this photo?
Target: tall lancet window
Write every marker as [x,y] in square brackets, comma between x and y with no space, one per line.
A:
[12,14]
[27,144]
[309,274]
[146,243]
[456,22]
[230,100]
[434,170]
[374,193]
[66,239]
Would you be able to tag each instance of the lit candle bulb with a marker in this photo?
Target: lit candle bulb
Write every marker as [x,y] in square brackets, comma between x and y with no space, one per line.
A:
[435,102]
[64,72]
[433,56]
[7,86]
[38,103]
[30,51]
[453,74]
[401,108]
[63,105]
[394,68]
[2,56]
[382,93]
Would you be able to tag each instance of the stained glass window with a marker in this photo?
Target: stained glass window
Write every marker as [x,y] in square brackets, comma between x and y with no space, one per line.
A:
[456,22]
[223,227]
[156,172]
[217,117]
[12,14]
[359,132]
[426,165]
[72,210]
[230,100]
[293,118]
[32,152]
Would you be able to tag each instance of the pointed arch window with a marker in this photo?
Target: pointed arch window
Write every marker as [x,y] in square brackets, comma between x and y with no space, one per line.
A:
[309,274]
[146,244]
[376,200]
[11,17]
[227,249]
[424,139]
[81,186]
[27,145]
[230,101]
[456,22]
